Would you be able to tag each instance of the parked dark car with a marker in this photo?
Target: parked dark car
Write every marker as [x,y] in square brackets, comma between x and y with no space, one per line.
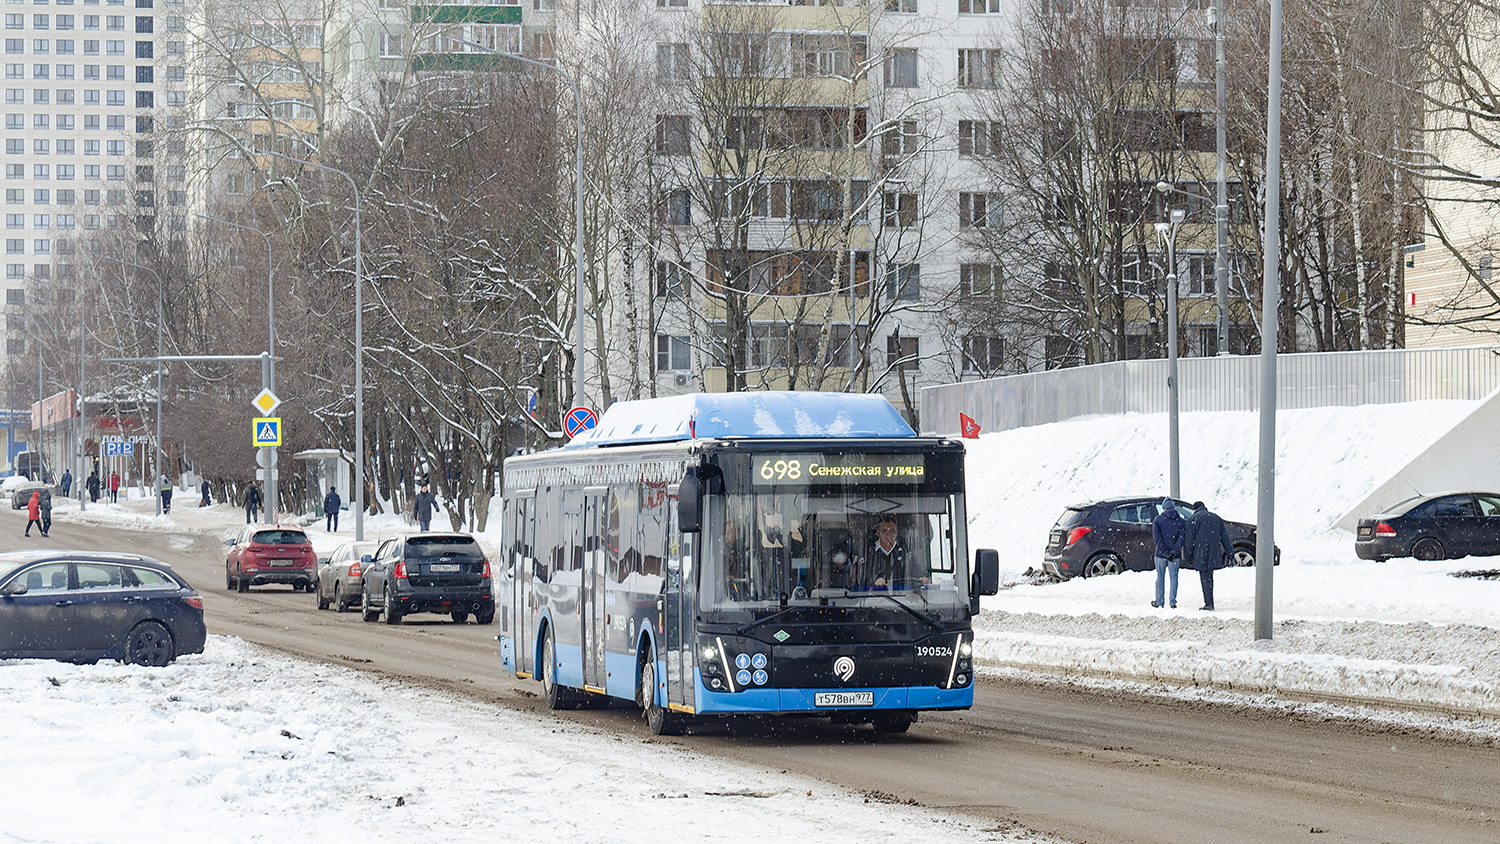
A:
[262,554]
[341,575]
[1111,536]
[1433,527]
[429,572]
[20,496]
[84,606]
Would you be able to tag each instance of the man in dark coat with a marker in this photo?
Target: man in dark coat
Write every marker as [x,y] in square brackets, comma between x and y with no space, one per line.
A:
[46,512]
[421,508]
[1205,545]
[1167,530]
[93,485]
[331,504]
[252,504]
[204,489]
[67,482]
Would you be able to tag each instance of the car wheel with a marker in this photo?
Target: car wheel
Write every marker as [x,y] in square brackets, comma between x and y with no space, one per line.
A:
[661,720]
[367,611]
[322,601]
[392,614]
[1428,548]
[460,617]
[484,617]
[893,722]
[149,643]
[1243,555]
[340,604]
[229,581]
[1106,563]
[242,584]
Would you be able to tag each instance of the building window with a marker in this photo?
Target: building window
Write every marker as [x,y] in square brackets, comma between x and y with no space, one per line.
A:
[898,210]
[901,68]
[14,296]
[979,68]
[145,24]
[1200,275]
[673,354]
[978,138]
[903,282]
[901,140]
[677,207]
[901,352]
[978,211]
[390,45]
[672,280]
[900,5]
[978,7]
[145,49]
[672,64]
[979,280]
[983,354]
[672,135]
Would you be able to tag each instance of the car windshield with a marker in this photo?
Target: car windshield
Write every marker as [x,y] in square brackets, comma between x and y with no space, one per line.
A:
[442,546]
[835,548]
[279,537]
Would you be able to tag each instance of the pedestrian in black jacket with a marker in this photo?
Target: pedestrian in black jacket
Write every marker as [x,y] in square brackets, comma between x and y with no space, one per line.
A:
[252,504]
[331,504]
[93,485]
[1205,546]
[422,506]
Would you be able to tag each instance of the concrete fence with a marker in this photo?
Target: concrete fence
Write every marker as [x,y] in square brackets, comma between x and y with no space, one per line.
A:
[1231,382]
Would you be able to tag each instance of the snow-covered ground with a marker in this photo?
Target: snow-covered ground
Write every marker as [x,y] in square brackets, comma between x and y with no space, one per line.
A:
[1403,633]
[244,745]
[241,745]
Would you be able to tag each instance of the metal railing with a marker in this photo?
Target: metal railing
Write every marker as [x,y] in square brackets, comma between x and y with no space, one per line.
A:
[1231,382]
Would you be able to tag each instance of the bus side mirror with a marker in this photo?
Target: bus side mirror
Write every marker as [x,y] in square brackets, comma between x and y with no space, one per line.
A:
[986,576]
[690,503]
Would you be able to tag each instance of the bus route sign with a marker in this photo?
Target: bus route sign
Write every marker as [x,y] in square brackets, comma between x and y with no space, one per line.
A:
[578,420]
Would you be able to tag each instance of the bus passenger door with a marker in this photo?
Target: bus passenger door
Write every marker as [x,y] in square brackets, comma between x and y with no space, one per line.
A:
[523,597]
[591,598]
[675,637]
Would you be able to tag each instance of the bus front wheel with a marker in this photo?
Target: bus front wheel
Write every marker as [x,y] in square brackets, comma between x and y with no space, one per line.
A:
[557,696]
[662,721]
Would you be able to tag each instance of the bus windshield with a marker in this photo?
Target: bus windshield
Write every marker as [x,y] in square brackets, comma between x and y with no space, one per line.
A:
[840,548]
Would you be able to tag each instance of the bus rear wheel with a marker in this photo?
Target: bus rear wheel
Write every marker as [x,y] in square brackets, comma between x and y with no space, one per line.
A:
[893,722]
[661,720]
[557,696]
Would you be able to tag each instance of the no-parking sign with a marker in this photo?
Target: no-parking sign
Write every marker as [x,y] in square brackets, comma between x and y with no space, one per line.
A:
[578,420]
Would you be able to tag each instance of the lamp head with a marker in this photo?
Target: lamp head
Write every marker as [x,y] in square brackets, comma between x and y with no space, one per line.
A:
[1164,187]
[1163,228]
[1178,215]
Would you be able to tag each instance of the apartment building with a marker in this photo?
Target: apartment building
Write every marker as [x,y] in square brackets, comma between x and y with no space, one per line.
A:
[89,87]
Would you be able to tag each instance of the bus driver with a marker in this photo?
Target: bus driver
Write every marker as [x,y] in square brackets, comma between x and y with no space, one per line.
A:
[888,560]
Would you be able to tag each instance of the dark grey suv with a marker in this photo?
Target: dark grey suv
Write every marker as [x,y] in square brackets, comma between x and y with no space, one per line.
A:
[428,572]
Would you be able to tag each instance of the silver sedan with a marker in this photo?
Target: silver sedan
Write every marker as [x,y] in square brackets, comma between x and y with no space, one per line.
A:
[341,575]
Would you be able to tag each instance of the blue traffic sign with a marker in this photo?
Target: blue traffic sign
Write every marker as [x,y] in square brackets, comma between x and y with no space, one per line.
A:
[266,431]
[116,448]
[579,419]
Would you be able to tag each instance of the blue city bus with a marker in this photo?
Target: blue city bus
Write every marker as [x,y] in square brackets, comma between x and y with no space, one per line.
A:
[765,553]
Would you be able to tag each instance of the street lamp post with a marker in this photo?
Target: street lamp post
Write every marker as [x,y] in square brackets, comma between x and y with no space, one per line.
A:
[1265,505]
[158,453]
[268,369]
[1168,233]
[359,343]
[578,370]
[83,404]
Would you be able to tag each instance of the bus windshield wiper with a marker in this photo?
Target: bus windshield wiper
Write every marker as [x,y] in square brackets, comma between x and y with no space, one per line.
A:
[751,625]
[918,614]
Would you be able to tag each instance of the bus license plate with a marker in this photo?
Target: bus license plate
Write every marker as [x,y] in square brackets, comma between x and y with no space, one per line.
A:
[443,568]
[843,698]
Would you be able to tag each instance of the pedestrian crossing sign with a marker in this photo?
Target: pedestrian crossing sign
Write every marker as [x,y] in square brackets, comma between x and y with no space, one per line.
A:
[267,431]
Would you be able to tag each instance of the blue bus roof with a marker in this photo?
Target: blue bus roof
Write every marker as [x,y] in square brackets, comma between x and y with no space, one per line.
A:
[756,415]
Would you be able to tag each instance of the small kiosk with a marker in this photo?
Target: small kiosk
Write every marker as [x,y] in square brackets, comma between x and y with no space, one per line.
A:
[324,468]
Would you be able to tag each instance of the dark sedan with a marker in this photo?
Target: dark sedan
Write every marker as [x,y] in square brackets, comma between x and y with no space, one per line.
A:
[1111,536]
[1433,527]
[84,606]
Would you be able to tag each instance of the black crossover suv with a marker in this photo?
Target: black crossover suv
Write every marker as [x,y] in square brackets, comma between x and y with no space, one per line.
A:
[1114,535]
[428,572]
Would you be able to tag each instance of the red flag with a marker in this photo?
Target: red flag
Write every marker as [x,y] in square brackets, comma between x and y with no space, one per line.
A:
[968,426]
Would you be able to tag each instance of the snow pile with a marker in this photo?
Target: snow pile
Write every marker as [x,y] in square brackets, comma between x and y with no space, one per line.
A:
[1401,633]
[241,745]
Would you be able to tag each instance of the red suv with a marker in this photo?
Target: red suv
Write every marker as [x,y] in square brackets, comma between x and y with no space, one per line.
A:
[270,554]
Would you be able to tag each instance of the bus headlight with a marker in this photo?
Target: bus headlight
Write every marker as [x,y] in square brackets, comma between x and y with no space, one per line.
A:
[965,650]
[708,655]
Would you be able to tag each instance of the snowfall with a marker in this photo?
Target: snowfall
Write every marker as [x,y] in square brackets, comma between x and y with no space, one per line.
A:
[241,743]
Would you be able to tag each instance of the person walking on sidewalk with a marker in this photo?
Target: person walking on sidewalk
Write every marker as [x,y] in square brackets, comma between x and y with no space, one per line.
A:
[204,489]
[67,482]
[1205,544]
[252,504]
[34,513]
[93,486]
[331,504]
[1167,530]
[114,487]
[421,508]
[44,503]
[164,486]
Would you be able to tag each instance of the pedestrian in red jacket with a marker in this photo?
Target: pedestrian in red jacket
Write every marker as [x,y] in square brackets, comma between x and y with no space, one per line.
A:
[34,512]
[114,487]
